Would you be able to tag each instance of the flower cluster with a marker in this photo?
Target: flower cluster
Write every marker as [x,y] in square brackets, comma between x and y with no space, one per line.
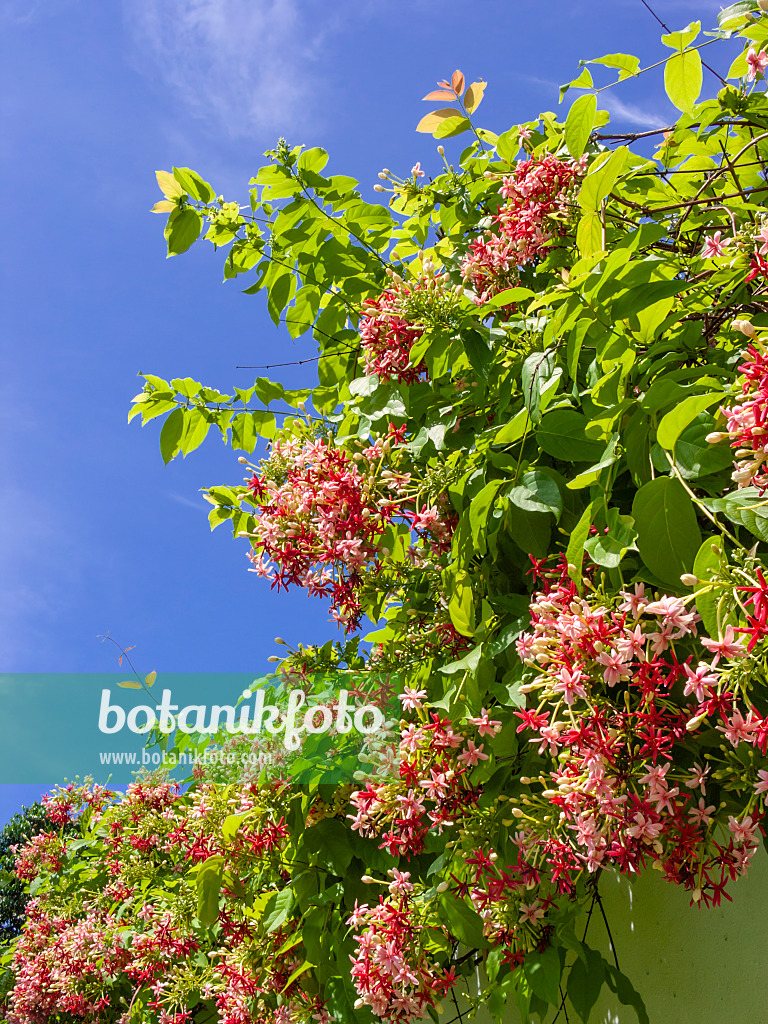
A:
[396,319]
[619,690]
[391,969]
[79,955]
[322,513]
[433,790]
[535,212]
[747,420]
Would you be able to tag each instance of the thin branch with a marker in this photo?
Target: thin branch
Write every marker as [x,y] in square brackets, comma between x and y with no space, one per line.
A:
[666,28]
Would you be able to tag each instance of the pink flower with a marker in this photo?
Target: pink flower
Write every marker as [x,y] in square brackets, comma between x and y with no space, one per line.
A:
[569,684]
[485,725]
[472,755]
[698,778]
[761,786]
[743,831]
[756,62]
[411,699]
[401,881]
[762,236]
[531,912]
[416,170]
[738,729]
[702,815]
[615,666]
[726,647]
[713,246]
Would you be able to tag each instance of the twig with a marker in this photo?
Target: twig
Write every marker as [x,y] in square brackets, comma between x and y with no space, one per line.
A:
[666,28]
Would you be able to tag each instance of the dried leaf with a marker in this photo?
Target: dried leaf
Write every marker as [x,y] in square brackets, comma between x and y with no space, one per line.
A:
[474,96]
[130,684]
[430,121]
[170,188]
[163,206]
[440,94]
[457,82]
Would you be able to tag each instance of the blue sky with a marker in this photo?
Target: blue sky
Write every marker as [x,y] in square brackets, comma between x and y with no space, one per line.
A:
[96,533]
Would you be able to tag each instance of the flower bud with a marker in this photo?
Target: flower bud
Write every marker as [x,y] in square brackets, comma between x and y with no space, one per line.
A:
[382,175]
[274,657]
[279,640]
[441,149]
[379,188]
[442,887]
[763,5]
[694,723]
[688,579]
[745,327]
[243,461]
[716,437]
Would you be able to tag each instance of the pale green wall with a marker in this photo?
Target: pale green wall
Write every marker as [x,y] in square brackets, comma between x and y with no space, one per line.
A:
[690,966]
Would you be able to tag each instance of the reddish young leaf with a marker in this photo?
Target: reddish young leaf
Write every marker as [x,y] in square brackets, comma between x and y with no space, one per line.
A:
[457,82]
[440,94]
[445,85]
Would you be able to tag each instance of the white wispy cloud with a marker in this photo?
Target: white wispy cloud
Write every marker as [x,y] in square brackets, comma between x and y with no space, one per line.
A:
[631,114]
[243,64]
[182,499]
[19,13]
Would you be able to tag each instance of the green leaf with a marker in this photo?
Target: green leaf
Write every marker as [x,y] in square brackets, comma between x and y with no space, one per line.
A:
[479,510]
[209,879]
[575,551]
[695,456]
[674,423]
[683,79]
[170,435]
[601,179]
[461,607]
[278,909]
[746,507]
[197,423]
[579,124]
[542,969]
[585,982]
[608,548]
[626,992]
[679,40]
[625,63]
[313,160]
[668,534]
[463,922]
[182,230]
[589,233]
[562,434]
[193,184]
[451,126]
[707,561]
[591,475]
[537,492]
[531,531]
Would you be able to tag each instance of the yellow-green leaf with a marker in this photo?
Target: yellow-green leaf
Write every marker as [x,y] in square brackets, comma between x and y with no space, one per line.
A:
[683,79]
[170,188]
[430,121]
[150,679]
[163,206]
[739,68]
[474,96]
[579,123]
[130,684]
